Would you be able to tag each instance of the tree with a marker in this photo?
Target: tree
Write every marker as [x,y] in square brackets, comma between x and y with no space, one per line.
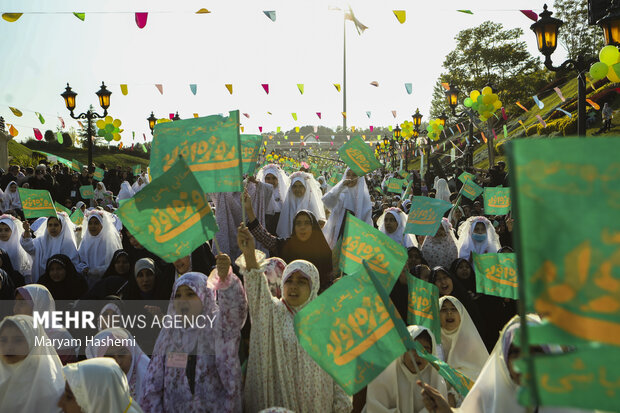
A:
[575,35]
[489,55]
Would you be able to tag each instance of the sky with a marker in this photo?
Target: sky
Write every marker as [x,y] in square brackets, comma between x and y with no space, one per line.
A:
[237,44]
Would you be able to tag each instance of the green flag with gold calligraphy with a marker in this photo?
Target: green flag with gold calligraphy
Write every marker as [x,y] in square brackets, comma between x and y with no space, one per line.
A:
[98,174]
[36,203]
[76,165]
[334,179]
[171,216]
[59,207]
[352,330]
[458,380]
[210,145]
[250,145]
[496,274]
[465,176]
[423,305]
[359,156]
[471,190]
[395,185]
[425,215]
[496,200]
[361,241]
[87,192]
[77,216]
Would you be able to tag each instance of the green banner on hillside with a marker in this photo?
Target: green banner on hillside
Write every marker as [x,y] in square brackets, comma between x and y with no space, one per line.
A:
[425,215]
[423,305]
[87,192]
[395,185]
[359,156]
[496,274]
[250,145]
[36,203]
[496,201]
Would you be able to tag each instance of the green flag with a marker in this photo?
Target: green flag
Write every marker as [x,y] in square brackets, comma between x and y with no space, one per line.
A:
[458,380]
[496,201]
[98,174]
[64,161]
[36,203]
[210,146]
[378,189]
[566,202]
[171,216]
[77,216]
[395,185]
[334,179]
[59,207]
[403,173]
[359,156]
[425,215]
[352,330]
[423,305]
[496,274]
[361,241]
[137,170]
[250,144]
[76,165]
[465,176]
[471,190]
[87,192]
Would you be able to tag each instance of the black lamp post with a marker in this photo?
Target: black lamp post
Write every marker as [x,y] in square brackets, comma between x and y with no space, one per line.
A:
[176,116]
[546,30]
[610,24]
[152,121]
[452,95]
[104,101]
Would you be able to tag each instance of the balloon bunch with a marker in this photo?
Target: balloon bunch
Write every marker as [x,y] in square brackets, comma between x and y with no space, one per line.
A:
[109,128]
[609,65]
[434,129]
[406,129]
[485,103]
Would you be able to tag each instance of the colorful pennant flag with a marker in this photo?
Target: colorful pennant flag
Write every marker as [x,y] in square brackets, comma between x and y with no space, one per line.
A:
[593,104]
[408,88]
[141,19]
[11,17]
[559,93]
[294,115]
[540,104]
[530,14]
[160,87]
[41,119]
[270,14]
[124,89]
[37,134]
[394,113]
[194,88]
[229,87]
[401,15]
[265,87]
[466,11]
[337,86]
[319,114]
[16,112]
[521,106]
[300,86]
[541,121]
[13,131]
[374,83]
[203,11]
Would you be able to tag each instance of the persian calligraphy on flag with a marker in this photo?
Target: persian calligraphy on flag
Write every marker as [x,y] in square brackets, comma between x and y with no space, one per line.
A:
[395,185]
[471,190]
[423,305]
[496,274]
[358,156]
[425,215]
[36,203]
[250,145]
[496,201]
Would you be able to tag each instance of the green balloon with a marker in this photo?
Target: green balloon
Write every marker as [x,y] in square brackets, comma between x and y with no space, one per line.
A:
[480,100]
[475,106]
[109,137]
[468,102]
[599,70]
[101,132]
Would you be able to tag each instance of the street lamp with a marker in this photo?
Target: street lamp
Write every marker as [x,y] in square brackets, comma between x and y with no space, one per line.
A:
[442,119]
[176,116]
[104,101]
[417,119]
[610,24]
[152,121]
[546,30]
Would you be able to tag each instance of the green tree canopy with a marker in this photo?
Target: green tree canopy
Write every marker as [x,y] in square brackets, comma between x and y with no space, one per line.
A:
[575,35]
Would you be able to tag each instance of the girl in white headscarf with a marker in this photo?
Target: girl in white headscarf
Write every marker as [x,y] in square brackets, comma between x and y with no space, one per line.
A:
[350,194]
[303,193]
[477,235]
[392,223]
[100,192]
[443,190]
[138,185]
[130,358]
[57,236]
[279,371]
[99,243]
[440,249]
[30,378]
[97,386]
[395,389]
[273,175]
[11,231]
[10,198]
[125,192]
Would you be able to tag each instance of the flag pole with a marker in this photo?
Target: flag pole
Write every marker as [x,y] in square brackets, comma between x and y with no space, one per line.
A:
[344,76]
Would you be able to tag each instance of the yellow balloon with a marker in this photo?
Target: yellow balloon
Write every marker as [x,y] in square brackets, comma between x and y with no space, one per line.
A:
[117,136]
[612,75]
[116,123]
[497,104]
[494,97]
[487,90]
[108,119]
[100,124]
[487,99]
[474,95]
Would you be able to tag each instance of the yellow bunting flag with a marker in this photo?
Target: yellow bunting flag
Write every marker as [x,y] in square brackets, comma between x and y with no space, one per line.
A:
[203,11]
[195,115]
[521,106]
[400,15]
[352,128]
[124,89]
[300,86]
[446,85]
[242,128]
[294,115]
[344,114]
[11,17]
[484,138]
[337,86]
[12,131]
[297,129]
[229,86]
[16,112]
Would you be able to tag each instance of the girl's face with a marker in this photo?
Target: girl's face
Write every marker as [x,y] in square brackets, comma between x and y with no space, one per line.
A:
[296,289]
[413,258]
[57,272]
[53,226]
[13,188]
[457,214]
[412,356]
[352,177]
[22,306]
[182,265]
[449,316]
[186,302]
[13,344]
[271,179]
[299,190]
[94,226]
[5,232]
[83,207]
[303,227]
[390,223]
[67,401]
[122,356]
[480,228]
[121,266]
[146,280]
[444,283]
[99,187]
[463,271]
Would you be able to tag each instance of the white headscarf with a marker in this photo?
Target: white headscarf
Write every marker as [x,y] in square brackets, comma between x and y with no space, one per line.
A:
[125,192]
[466,244]
[22,262]
[406,240]
[137,186]
[463,347]
[34,384]
[10,199]
[139,360]
[310,272]
[443,190]
[100,193]
[311,201]
[441,251]
[342,198]
[452,218]
[279,193]
[100,386]
[97,251]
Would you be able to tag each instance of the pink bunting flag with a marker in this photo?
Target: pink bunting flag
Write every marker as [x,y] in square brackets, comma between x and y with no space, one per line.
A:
[260,128]
[559,92]
[504,113]
[319,114]
[246,115]
[141,19]
[37,134]
[530,14]
[266,87]
[62,122]
[144,136]
[542,122]
[171,115]
[371,128]
[160,87]
[332,143]
[494,135]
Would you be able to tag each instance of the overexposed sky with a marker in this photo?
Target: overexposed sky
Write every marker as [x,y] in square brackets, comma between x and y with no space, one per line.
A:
[237,44]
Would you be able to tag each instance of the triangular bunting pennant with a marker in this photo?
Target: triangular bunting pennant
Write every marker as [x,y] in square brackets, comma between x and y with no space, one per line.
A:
[337,86]
[16,112]
[11,17]
[294,115]
[300,86]
[260,128]
[409,88]
[141,19]
[319,114]
[530,14]
[271,14]
[79,15]
[394,113]
[62,122]
[374,83]
[41,119]
[401,15]
[196,115]
[124,90]
[160,87]
[247,115]
[368,114]
[466,11]
[59,137]
[344,114]
[266,87]
[12,131]
[194,88]
[37,134]
[229,86]
[203,11]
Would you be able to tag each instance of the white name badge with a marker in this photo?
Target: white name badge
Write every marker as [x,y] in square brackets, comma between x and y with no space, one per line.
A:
[176,360]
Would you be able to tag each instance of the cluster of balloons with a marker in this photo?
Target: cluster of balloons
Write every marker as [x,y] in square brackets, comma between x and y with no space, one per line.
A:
[485,103]
[109,128]
[406,129]
[609,65]
[434,129]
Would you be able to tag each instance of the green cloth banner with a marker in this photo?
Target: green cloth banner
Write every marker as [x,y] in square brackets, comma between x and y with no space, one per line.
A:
[59,207]
[458,380]
[334,179]
[465,176]
[425,215]
[171,216]
[496,201]
[76,165]
[210,145]
[361,241]
[378,189]
[36,203]
[87,192]
[359,156]
[471,190]
[423,305]
[77,216]
[395,185]
[250,145]
[98,174]
[496,274]
[352,330]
